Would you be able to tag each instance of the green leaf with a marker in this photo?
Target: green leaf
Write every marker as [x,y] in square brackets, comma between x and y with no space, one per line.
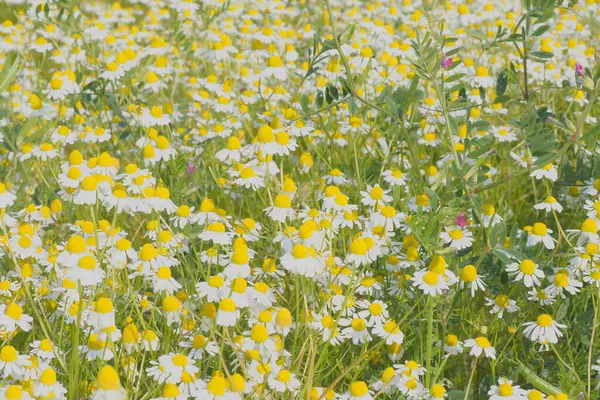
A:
[542,54]
[25,128]
[540,30]
[498,233]
[592,134]
[352,107]
[501,84]
[481,125]
[453,52]
[502,256]
[543,160]
[8,73]
[457,395]
[454,78]
[433,196]
[320,99]
[304,104]
[562,311]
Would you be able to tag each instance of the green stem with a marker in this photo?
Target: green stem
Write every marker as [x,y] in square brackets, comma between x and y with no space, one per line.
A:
[429,340]
[471,379]
[591,351]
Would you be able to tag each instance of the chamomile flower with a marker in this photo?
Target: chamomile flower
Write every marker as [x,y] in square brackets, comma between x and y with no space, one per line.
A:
[548,171]
[49,386]
[389,331]
[394,177]
[375,195]
[549,204]
[504,134]
[526,271]
[452,345]
[505,390]
[457,238]
[227,312]
[430,282]
[281,209]
[12,364]
[480,345]
[171,367]
[154,116]
[544,328]
[541,234]
[6,197]
[500,304]
[216,232]
[109,385]
[10,392]
[12,318]
[284,381]
[200,347]
[563,282]
[303,260]
[214,389]
[357,390]
[172,309]
[469,277]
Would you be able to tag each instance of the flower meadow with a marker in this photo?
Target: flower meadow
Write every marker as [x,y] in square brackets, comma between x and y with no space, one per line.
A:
[326,199]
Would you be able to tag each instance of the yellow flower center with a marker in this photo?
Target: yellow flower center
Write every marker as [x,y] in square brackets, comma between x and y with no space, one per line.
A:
[527,267]
[89,183]
[227,305]
[87,262]
[48,377]
[502,301]
[358,389]
[104,305]
[282,201]
[284,376]
[358,247]
[25,242]
[456,234]
[156,111]
[14,392]
[376,309]
[561,279]
[468,273]
[544,320]
[431,278]
[358,324]
[171,304]
[376,193]
[217,386]
[108,379]
[8,354]
[180,360]
[539,229]
[438,391]
[247,173]
[451,340]
[505,390]
[482,342]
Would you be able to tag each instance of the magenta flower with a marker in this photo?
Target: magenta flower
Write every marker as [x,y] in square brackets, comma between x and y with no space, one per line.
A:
[462,220]
[446,62]
[190,168]
[578,69]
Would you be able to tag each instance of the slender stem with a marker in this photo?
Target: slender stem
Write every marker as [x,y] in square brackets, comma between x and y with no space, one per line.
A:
[471,379]
[567,366]
[338,46]
[429,340]
[591,351]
